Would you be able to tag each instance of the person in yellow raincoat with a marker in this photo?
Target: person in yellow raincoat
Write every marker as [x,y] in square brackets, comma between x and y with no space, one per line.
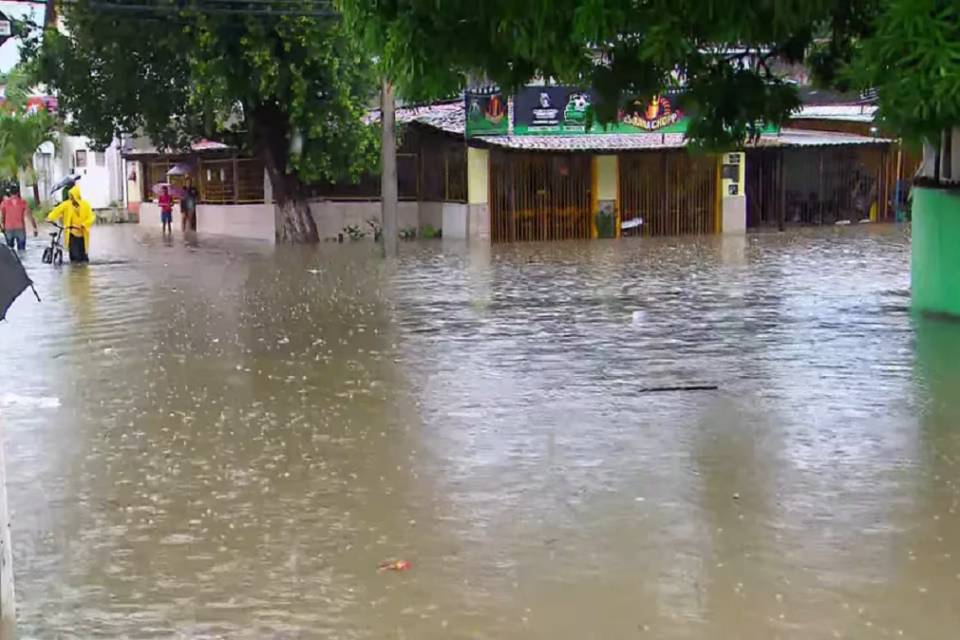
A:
[77,217]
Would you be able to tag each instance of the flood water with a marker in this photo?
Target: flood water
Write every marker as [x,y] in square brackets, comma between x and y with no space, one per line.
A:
[225,440]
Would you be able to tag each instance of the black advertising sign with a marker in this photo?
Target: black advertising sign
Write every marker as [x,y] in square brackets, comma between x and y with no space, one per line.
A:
[551,110]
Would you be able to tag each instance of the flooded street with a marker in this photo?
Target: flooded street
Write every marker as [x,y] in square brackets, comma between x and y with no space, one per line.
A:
[226,440]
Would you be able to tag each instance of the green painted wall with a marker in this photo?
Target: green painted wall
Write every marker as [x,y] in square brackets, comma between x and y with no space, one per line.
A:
[935,258]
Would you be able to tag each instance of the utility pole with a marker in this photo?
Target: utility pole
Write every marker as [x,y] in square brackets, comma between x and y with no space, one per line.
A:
[388,167]
[8,619]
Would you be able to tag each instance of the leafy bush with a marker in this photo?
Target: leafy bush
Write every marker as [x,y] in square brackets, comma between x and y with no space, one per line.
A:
[429,232]
[354,232]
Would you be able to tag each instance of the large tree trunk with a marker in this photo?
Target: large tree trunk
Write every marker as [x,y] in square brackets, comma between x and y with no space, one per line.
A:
[294,222]
[388,174]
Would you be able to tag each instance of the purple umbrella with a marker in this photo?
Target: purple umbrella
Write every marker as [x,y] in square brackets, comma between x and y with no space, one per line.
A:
[180,169]
[175,191]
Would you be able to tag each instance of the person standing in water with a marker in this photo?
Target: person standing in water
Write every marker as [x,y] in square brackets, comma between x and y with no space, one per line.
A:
[14,212]
[188,205]
[77,217]
[165,200]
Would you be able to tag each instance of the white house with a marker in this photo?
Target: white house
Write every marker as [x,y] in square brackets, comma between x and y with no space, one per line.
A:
[101,172]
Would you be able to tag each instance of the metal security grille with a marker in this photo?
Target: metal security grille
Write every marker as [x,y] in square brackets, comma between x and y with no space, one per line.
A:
[820,185]
[673,192]
[536,197]
[764,188]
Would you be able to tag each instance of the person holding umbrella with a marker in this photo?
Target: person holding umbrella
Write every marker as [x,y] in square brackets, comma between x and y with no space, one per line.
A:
[63,186]
[77,216]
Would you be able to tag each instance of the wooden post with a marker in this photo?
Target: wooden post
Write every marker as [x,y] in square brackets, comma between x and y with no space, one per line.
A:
[8,621]
[236,182]
[896,183]
[820,187]
[388,165]
[782,214]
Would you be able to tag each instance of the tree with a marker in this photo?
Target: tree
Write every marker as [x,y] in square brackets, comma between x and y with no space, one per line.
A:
[384,39]
[281,79]
[911,60]
[22,132]
[721,54]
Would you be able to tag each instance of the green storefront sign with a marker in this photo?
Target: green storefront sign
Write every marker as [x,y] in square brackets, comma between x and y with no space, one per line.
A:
[486,114]
[568,111]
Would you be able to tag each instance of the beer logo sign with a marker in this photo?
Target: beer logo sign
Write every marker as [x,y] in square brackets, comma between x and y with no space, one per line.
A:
[487,113]
[496,110]
[653,115]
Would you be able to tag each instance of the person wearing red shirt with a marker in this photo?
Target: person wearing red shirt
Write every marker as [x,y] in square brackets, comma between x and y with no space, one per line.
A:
[166,210]
[14,213]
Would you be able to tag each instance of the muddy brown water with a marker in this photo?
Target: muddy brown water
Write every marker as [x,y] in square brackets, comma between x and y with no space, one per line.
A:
[224,440]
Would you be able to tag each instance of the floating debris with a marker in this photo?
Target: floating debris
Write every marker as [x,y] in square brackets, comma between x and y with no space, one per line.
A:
[395,565]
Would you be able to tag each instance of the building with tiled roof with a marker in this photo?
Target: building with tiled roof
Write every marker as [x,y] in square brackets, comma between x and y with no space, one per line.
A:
[543,174]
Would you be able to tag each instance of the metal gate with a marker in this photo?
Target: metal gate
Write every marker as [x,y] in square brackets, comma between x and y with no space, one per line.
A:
[673,192]
[764,188]
[819,185]
[536,197]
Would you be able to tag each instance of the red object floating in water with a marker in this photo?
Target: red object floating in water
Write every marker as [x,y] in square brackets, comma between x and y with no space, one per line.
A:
[395,565]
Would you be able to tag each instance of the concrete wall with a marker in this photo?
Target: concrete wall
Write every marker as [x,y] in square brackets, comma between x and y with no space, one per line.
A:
[478,222]
[733,206]
[251,221]
[257,221]
[331,217]
[478,176]
[454,221]
[607,177]
[478,193]
[734,210]
[607,170]
[431,213]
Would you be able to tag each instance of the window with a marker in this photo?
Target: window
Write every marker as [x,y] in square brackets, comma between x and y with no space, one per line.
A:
[81,157]
[100,158]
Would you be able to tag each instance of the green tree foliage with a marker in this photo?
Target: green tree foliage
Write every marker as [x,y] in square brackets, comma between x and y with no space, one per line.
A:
[292,86]
[722,53]
[913,59]
[22,132]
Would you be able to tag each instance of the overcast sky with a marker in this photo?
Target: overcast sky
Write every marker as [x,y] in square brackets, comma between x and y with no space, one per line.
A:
[10,50]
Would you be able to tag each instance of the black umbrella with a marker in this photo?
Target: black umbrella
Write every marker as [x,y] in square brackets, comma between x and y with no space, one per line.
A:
[13,279]
[68,181]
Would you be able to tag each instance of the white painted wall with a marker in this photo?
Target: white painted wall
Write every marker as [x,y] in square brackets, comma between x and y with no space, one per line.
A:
[258,221]
[250,221]
[101,183]
[734,209]
[454,222]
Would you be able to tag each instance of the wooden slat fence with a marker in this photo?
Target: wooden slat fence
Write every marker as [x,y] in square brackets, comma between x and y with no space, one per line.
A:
[673,192]
[540,196]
